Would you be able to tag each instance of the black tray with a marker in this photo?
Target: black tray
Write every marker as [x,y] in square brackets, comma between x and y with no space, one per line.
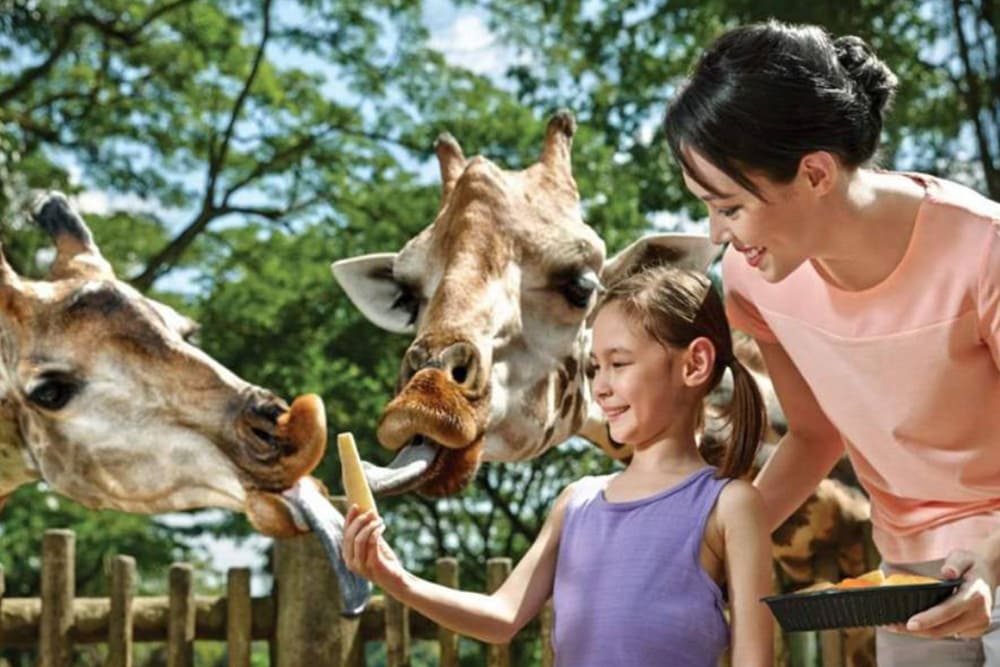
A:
[853,607]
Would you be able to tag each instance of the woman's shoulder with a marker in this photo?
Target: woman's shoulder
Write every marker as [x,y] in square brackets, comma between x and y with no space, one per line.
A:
[952,197]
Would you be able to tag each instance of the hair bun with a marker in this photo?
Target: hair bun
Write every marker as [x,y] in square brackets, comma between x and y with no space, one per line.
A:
[873,77]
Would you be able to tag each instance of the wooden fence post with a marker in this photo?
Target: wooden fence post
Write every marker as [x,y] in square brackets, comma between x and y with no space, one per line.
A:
[397,633]
[447,575]
[497,571]
[120,618]
[180,626]
[309,629]
[239,615]
[58,585]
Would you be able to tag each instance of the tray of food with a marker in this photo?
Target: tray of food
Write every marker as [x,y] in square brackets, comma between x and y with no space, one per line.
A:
[868,600]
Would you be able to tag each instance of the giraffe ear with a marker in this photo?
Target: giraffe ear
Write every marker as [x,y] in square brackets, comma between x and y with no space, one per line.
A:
[686,251]
[77,255]
[369,284]
[182,325]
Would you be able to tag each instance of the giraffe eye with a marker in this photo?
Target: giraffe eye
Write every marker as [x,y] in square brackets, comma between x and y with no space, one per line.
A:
[580,288]
[54,393]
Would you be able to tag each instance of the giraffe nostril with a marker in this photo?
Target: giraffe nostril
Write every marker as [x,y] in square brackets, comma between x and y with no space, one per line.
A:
[415,359]
[269,411]
[461,361]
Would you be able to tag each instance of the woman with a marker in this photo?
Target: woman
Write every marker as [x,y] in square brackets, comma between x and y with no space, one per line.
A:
[875,298]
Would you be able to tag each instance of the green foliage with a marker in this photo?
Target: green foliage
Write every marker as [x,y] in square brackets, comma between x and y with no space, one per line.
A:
[100,536]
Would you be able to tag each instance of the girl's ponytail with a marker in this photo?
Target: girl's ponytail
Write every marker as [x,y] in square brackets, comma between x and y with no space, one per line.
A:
[747,423]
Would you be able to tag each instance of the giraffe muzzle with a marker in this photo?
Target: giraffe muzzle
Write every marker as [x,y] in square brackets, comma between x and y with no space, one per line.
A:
[430,405]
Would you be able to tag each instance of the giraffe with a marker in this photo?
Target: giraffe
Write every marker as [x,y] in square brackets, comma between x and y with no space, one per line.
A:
[497,292]
[103,398]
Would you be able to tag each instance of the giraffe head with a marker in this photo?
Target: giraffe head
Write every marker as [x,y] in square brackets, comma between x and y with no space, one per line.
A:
[103,398]
[496,290]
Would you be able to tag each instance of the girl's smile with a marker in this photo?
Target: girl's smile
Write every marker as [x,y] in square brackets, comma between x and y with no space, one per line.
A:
[612,413]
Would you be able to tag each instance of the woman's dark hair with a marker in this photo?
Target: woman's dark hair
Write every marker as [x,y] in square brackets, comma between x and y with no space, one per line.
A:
[676,306]
[764,95]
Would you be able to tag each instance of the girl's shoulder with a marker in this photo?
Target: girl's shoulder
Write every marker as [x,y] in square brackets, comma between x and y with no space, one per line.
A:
[575,494]
[585,487]
[739,501]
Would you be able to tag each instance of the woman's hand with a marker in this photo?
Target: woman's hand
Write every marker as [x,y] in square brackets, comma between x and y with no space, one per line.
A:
[366,553]
[965,615]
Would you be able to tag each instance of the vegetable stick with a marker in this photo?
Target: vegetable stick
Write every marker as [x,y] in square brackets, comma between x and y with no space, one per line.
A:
[355,483]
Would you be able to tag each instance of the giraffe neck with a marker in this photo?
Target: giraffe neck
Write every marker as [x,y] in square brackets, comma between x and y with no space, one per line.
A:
[573,401]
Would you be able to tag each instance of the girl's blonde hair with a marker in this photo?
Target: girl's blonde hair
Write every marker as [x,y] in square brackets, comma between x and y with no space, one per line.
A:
[676,306]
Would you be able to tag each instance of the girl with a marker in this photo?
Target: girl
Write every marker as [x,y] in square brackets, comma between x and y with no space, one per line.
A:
[875,298]
[636,561]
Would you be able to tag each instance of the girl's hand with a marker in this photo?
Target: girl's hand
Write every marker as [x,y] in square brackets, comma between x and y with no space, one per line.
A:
[965,615]
[366,553]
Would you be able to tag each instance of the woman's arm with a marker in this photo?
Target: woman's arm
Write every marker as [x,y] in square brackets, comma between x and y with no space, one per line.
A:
[806,453]
[748,571]
[492,618]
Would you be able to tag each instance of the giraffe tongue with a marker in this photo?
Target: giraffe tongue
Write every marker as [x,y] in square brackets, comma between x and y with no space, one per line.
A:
[413,464]
[310,508]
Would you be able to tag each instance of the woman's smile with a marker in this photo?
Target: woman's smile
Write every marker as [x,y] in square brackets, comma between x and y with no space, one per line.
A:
[753,255]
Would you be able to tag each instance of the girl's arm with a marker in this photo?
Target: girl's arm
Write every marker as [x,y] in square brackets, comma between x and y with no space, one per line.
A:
[748,571]
[806,453]
[492,618]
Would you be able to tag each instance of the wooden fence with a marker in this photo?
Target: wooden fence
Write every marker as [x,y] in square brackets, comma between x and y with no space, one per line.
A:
[300,619]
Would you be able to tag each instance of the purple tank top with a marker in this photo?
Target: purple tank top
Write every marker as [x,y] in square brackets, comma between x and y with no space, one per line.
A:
[629,588]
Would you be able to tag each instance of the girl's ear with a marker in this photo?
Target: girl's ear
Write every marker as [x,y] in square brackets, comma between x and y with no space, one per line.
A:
[699,362]
[820,170]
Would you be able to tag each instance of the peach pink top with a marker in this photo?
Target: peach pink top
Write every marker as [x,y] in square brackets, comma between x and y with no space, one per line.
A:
[907,370]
